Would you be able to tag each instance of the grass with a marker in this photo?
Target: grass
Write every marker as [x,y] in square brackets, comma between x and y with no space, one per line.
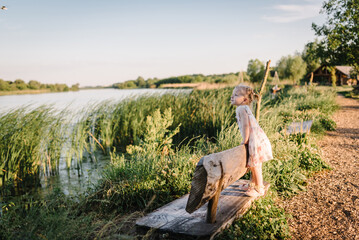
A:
[154,144]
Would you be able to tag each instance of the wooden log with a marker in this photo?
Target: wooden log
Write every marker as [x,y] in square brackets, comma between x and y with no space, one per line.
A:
[214,173]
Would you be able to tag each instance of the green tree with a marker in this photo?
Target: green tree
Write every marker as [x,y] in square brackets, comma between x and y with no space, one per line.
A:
[130,84]
[140,82]
[340,32]
[4,85]
[282,67]
[34,84]
[198,78]
[310,55]
[75,87]
[291,67]
[150,83]
[20,84]
[255,70]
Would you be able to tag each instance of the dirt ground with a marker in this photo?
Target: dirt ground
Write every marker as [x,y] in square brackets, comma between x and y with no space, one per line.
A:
[329,209]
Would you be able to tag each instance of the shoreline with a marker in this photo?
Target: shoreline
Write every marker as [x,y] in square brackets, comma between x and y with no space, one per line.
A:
[22,92]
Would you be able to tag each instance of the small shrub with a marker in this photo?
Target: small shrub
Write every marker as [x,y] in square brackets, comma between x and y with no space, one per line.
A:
[324,123]
[317,127]
[311,161]
[299,138]
[286,177]
[327,123]
[264,220]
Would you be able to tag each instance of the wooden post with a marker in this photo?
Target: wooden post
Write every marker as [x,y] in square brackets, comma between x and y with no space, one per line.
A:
[241,77]
[261,91]
[212,205]
[311,78]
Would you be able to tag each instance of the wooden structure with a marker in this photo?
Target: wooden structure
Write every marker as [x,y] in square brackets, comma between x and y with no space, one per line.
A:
[299,127]
[322,75]
[179,224]
[214,173]
[214,200]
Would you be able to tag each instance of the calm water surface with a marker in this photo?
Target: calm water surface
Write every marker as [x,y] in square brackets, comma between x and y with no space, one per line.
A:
[76,100]
[73,181]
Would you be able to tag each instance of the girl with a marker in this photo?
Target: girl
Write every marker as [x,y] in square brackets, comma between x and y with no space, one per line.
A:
[258,144]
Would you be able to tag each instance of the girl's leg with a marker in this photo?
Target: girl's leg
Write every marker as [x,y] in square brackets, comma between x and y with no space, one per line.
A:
[258,189]
[252,180]
[257,175]
[253,176]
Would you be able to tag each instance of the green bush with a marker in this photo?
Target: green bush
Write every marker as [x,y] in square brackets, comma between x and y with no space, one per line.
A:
[311,161]
[286,177]
[264,220]
[327,123]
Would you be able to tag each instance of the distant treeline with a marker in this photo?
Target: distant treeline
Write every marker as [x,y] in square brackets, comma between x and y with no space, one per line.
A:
[19,85]
[140,82]
[295,68]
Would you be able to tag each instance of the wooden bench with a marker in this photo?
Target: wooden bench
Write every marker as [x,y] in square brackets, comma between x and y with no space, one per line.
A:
[214,192]
[299,127]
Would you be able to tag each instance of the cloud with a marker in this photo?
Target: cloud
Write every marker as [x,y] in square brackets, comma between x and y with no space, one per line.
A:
[293,13]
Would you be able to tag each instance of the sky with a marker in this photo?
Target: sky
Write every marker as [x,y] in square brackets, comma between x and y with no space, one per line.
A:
[104,42]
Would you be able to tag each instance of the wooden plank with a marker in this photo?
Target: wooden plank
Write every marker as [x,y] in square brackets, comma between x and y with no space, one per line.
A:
[172,218]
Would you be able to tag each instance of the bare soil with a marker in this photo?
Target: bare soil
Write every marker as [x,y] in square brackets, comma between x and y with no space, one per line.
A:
[329,209]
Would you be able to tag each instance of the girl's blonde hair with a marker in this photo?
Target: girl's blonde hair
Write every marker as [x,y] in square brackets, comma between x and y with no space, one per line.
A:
[247,91]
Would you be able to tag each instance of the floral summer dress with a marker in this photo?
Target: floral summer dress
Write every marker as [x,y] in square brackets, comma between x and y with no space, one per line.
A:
[259,147]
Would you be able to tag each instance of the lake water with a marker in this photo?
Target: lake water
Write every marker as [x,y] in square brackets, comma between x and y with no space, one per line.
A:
[70,181]
[77,100]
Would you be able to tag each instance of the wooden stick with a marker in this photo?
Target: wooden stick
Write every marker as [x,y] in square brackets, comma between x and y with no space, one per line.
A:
[261,91]
[212,205]
[311,78]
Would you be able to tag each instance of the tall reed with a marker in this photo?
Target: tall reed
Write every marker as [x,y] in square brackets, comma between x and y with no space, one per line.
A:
[117,125]
[30,142]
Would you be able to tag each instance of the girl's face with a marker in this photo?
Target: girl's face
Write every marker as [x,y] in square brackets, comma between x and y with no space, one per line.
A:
[238,98]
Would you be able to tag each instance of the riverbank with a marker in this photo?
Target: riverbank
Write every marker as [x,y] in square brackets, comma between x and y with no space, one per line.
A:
[28,91]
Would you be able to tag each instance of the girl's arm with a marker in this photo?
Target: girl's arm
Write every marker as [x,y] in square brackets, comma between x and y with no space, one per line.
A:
[245,124]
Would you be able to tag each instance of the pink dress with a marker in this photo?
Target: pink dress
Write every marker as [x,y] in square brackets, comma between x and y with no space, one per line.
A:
[259,147]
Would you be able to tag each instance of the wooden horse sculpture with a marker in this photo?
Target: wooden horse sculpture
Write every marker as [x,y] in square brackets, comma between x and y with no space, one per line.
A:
[214,173]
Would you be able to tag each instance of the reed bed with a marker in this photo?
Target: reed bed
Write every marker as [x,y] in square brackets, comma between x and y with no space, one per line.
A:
[117,125]
[30,142]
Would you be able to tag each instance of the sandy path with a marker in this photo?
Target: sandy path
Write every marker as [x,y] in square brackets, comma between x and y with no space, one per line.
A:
[329,209]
